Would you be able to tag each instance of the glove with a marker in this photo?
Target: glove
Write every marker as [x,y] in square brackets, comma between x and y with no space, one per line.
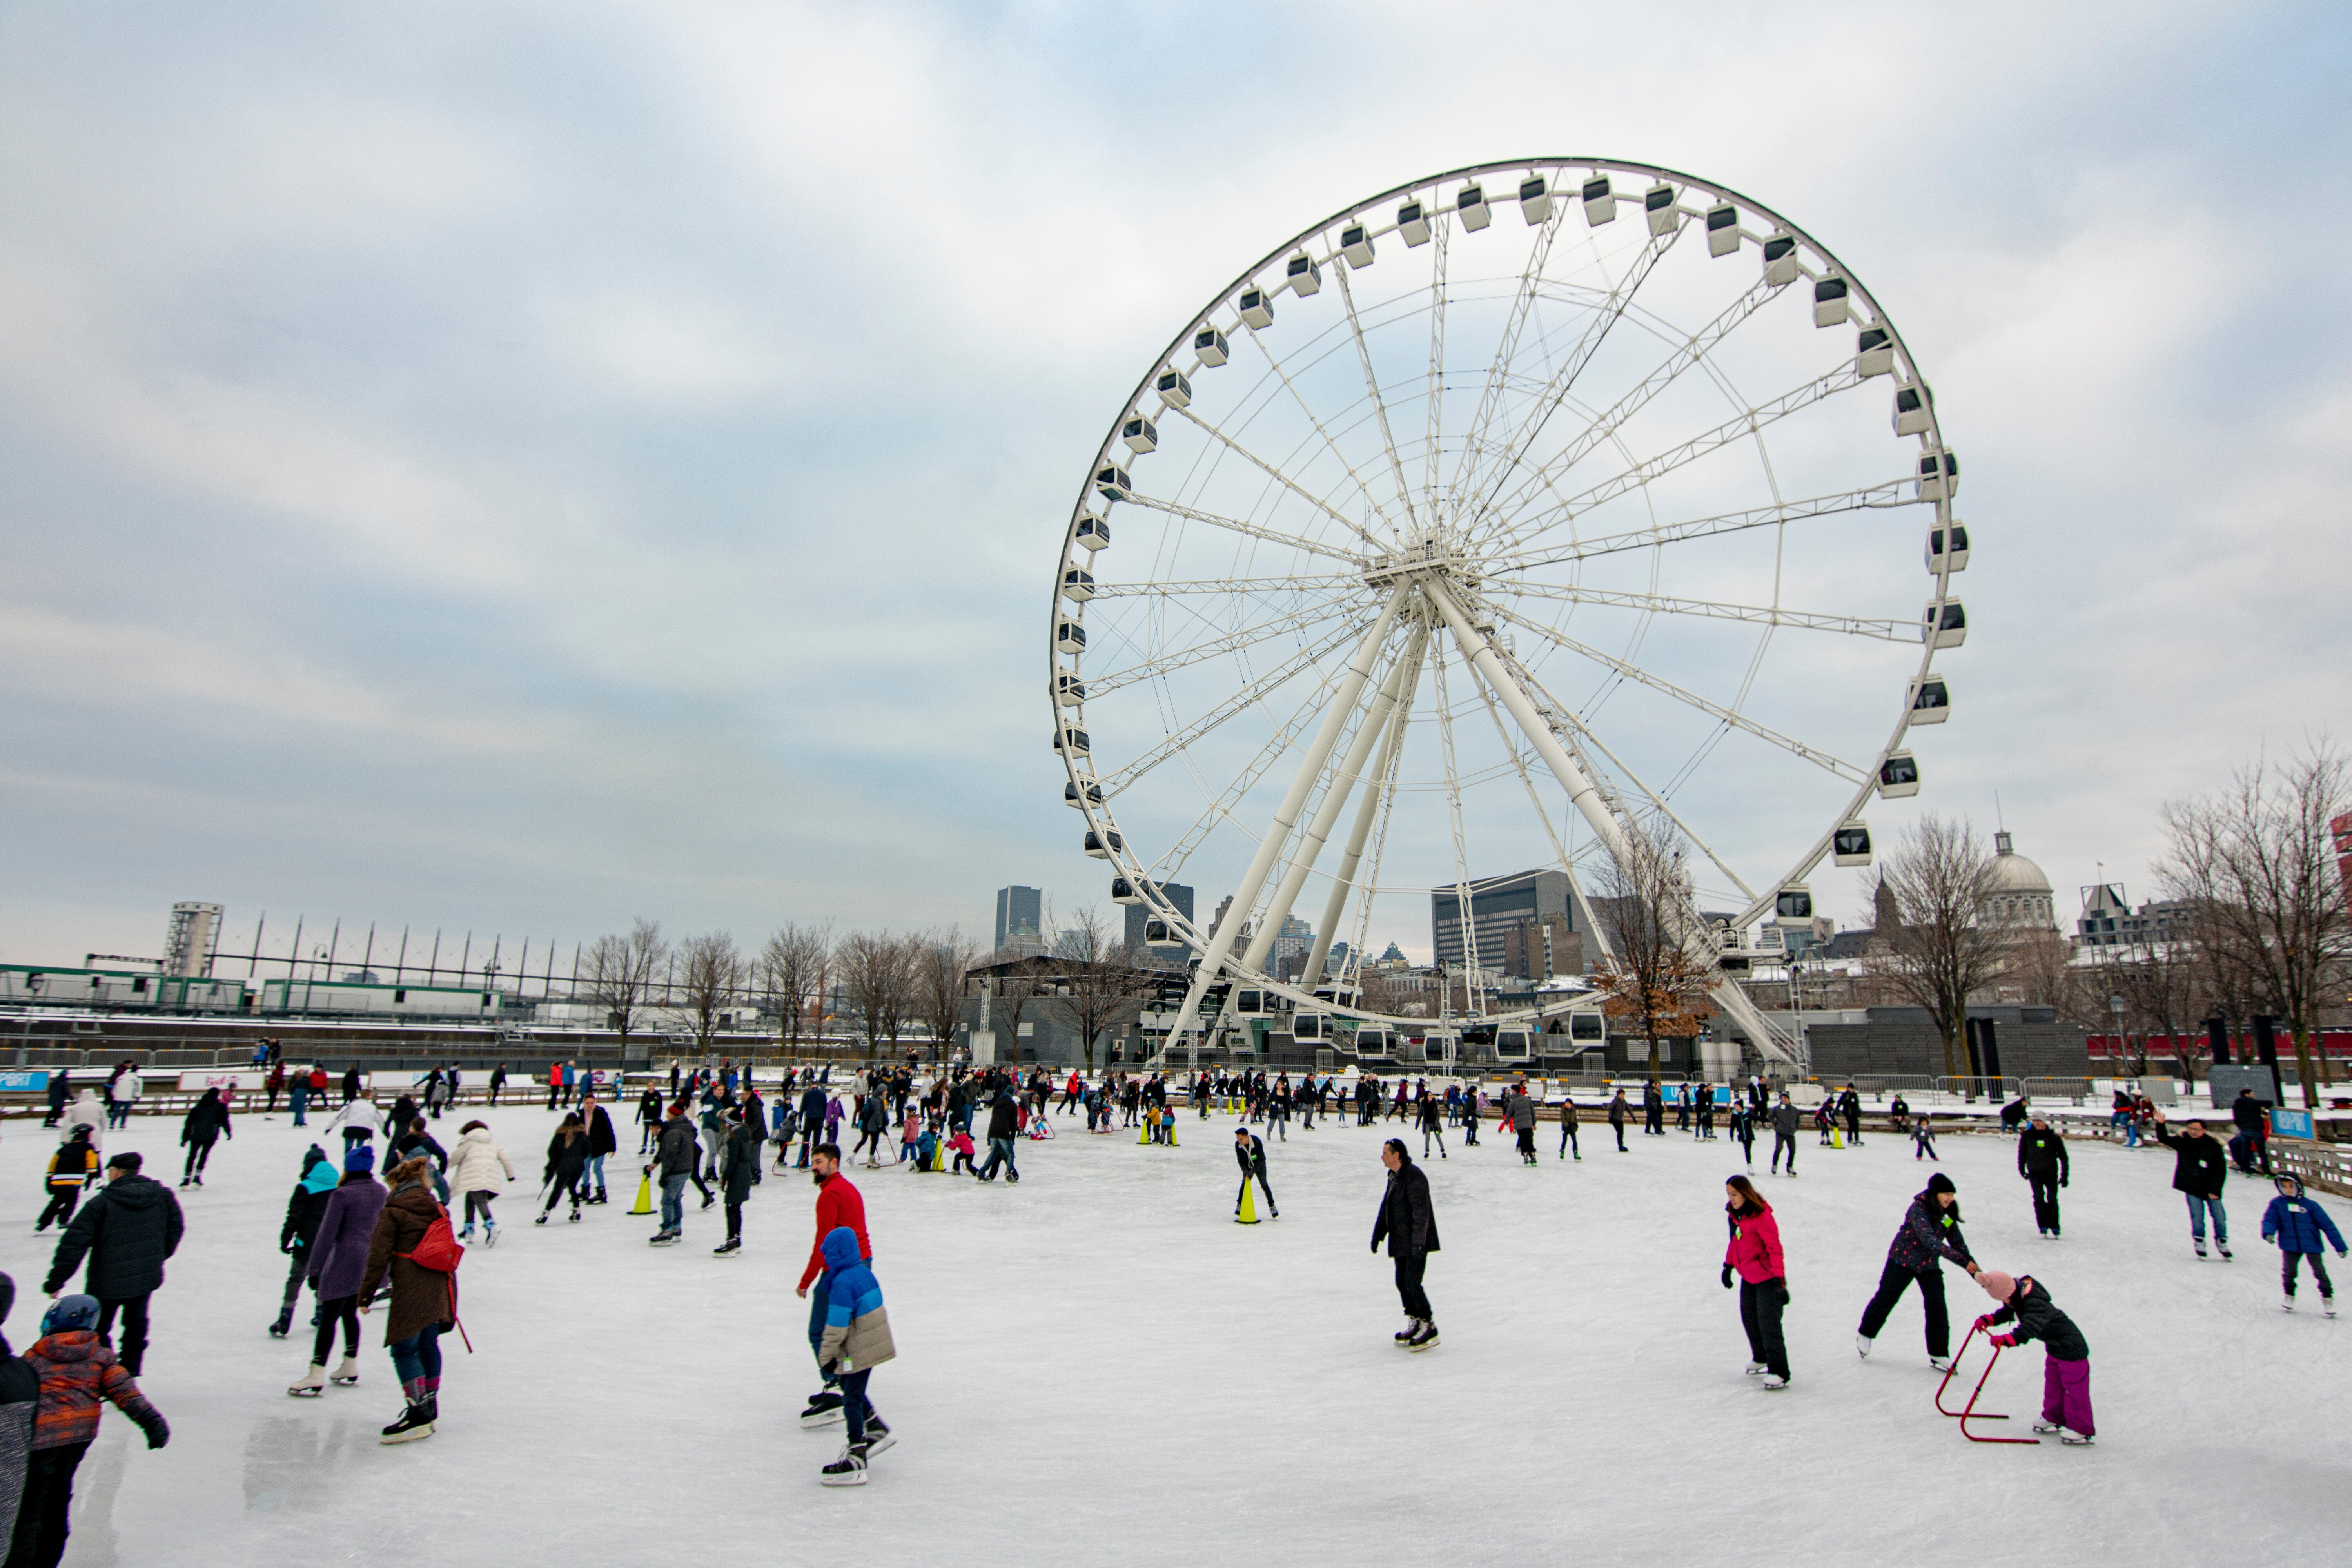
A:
[1984,1324]
[1780,1289]
[158,1432]
[2062,1180]
[1726,1276]
[2006,1341]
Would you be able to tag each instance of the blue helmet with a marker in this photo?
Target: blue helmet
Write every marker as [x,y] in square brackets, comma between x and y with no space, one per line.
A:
[70,1312]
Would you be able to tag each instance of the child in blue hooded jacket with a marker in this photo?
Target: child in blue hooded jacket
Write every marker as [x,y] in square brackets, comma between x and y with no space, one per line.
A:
[856,1340]
[2300,1227]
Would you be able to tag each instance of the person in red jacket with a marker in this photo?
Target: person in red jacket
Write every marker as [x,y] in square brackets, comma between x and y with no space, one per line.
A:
[1754,1255]
[839,1202]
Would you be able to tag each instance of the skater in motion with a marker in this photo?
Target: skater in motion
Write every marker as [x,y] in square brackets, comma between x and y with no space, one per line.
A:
[1567,1126]
[1923,1140]
[1433,1123]
[126,1231]
[855,1340]
[70,1169]
[339,1255]
[1618,1111]
[1521,1108]
[742,1162]
[421,1311]
[476,1171]
[305,1206]
[2199,1170]
[2041,1160]
[2066,1360]
[1249,1152]
[1410,1226]
[205,1124]
[1784,1133]
[75,1373]
[1754,1255]
[675,1154]
[2300,1227]
[1930,1233]
[567,1162]
[838,1204]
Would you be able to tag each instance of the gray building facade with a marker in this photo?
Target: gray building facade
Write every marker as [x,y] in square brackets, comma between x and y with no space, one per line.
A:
[1498,905]
[1019,910]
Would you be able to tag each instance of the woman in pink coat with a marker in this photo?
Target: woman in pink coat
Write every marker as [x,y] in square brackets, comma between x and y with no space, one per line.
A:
[1754,1255]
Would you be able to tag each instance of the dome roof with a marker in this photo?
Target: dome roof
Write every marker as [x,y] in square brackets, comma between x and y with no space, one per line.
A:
[2013,873]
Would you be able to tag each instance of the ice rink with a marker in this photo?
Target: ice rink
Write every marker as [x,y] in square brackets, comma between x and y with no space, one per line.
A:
[1098,1366]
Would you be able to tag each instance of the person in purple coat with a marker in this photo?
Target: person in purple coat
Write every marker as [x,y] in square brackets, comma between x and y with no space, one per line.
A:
[339,1255]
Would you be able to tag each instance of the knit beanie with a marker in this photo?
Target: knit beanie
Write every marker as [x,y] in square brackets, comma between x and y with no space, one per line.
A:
[360,1156]
[1940,1182]
[1997,1285]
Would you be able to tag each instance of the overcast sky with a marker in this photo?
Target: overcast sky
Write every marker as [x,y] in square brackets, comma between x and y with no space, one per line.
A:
[512,467]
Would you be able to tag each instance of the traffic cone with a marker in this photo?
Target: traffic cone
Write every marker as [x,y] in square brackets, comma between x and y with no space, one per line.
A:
[1249,1204]
[1143,1133]
[1171,1133]
[644,1194]
[1837,1139]
[939,1156]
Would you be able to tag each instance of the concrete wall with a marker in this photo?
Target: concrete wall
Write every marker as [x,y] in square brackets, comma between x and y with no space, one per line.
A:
[1897,1041]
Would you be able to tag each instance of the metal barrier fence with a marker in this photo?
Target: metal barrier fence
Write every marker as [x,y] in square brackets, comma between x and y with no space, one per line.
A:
[2327,1166]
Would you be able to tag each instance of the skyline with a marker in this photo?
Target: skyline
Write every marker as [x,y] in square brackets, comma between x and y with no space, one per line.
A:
[483,474]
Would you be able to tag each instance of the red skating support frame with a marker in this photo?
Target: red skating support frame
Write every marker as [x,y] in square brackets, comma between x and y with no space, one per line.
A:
[1969,1412]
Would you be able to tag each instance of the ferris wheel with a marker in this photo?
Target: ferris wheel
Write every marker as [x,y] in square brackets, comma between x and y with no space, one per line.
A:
[1481,524]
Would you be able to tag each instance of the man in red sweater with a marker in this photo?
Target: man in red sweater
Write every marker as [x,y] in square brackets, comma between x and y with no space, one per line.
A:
[839,1202]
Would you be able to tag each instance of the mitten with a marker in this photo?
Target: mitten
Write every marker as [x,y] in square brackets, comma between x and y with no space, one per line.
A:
[1780,1289]
[158,1432]
[2006,1341]
[1984,1324]
[1726,1276]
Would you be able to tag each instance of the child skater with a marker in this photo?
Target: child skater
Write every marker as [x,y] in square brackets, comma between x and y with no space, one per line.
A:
[959,1146]
[2066,1360]
[2300,1227]
[1923,1139]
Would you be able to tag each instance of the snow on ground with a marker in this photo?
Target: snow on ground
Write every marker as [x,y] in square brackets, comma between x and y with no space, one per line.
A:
[1098,1365]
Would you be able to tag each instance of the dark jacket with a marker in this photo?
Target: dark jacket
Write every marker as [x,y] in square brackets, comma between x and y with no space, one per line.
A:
[566,1157]
[600,1134]
[2300,1226]
[1406,1218]
[742,1151]
[1784,1119]
[2247,1113]
[678,1152]
[1929,1231]
[126,1230]
[649,1107]
[1249,1154]
[307,1207]
[2199,1165]
[408,1145]
[339,1249]
[2029,1307]
[1617,1109]
[2042,1152]
[205,1121]
[1002,1120]
[420,1296]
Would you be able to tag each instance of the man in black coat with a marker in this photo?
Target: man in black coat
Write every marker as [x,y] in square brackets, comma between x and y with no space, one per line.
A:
[126,1231]
[2254,1127]
[1249,1151]
[1002,1122]
[2041,1160]
[1410,1226]
[2199,1169]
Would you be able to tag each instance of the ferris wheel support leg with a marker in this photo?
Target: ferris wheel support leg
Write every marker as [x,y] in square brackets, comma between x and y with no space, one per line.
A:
[1343,880]
[1319,751]
[1741,1009]
[1327,813]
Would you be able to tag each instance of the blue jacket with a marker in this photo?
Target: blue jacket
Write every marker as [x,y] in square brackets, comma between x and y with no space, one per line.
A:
[2298,1224]
[856,1328]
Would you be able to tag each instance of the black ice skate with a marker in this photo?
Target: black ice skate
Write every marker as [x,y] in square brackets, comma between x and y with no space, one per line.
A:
[824,1409]
[414,1422]
[1424,1338]
[849,1471]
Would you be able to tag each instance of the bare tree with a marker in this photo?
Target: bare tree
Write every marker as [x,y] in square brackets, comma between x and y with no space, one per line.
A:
[1940,953]
[2253,862]
[620,973]
[1100,979]
[1652,980]
[711,972]
[943,962]
[877,969]
[792,965]
[2158,986]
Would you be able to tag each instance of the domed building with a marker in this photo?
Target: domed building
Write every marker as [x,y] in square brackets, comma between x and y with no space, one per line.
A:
[2017,894]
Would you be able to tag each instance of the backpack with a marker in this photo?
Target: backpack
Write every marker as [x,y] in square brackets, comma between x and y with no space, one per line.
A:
[440,1251]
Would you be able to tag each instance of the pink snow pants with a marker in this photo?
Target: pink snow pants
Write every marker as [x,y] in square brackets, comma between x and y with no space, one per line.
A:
[2066,1393]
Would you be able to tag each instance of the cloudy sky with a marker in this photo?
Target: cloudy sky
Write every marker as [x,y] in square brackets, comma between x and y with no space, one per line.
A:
[510,468]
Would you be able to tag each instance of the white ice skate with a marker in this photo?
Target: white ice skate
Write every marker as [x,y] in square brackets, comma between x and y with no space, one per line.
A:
[2046,1428]
[313,1384]
[1757,1369]
[1861,1346]
[1940,1362]
[1776,1382]
[2328,1306]
[347,1375]
[2286,1304]
[489,1233]
[2073,1438]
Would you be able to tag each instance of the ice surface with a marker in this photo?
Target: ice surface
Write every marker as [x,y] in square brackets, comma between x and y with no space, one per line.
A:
[1098,1366]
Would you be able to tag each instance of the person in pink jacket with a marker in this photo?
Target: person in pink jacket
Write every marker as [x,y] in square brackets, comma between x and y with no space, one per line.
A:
[1754,1255]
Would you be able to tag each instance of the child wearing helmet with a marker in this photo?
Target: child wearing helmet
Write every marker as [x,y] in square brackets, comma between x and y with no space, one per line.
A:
[2300,1227]
[76,1372]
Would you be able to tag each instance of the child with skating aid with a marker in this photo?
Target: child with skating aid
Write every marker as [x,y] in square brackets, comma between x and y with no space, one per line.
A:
[2066,1360]
[2301,1228]
[959,1146]
[927,1146]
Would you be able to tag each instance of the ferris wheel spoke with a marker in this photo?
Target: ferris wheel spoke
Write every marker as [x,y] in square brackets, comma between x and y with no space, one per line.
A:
[1220,808]
[1372,390]
[1236,525]
[1248,697]
[1871,497]
[1887,628]
[1286,482]
[1315,582]
[1738,720]
[1230,642]
[1490,397]
[1330,444]
[1651,469]
[1436,392]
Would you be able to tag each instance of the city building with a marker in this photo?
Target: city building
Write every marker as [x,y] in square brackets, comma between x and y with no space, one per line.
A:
[191,940]
[1498,904]
[2016,892]
[1020,914]
[2108,921]
[1178,897]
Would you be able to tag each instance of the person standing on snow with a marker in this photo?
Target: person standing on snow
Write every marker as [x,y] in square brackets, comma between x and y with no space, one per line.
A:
[1930,1232]
[127,1231]
[338,1260]
[476,1173]
[2299,1227]
[1249,1151]
[2041,1160]
[1410,1226]
[1754,1254]
[2066,1360]
[2199,1170]
[839,1204]
[1784,1133]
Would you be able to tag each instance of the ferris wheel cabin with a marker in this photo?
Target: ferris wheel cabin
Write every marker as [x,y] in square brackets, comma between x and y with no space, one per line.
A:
[1174,390]
[1947,549]
[1722,230]
[1851,843]
[1898,775]
[1071,741]
[1658,205]
[1781,258]
[1101,845]
[1092,533]
[1513,1046]
[1375,1047]
[1069,636]
[1830,306]
[1304,277]
[1939,475]
[1794,901]
[1470,205]
[1948,623]
[1874,352]
[1356,245]
[1094,794]
[1257,310]
[1122,891]
[1931,701]
[1139,435]
[1535,201]
[1069,691]
[1078,585]
[1210,345]
[1412,222]
[1599,204]
[1112,483]
[1911,402]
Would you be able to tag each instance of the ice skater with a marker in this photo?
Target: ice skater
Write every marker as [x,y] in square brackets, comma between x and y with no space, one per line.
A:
[1520,1107]
[839,1204]
[1930,1232]
[1754,1255]
[2066,1356]
[567,1162]
[1249,1153]
[741,1153]
[1433,1123]
[336,1262]
[1567,1126]
[2198,1171]
[1923,1140]
[1410,1226]
[2041,1160]
[853,1341]
[305,1206]
[70,1170]
[1618,1112]
[75,1371]
[1743,1133]
[2300,1228]
[205,1124]
[1784,1133]
[475,1172]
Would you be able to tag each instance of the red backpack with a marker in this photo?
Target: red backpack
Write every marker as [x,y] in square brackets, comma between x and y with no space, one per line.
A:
[440,1251]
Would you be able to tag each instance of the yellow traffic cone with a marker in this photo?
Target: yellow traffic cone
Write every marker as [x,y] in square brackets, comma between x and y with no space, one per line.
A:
[644,1194]
[1837,1139]
[939,1155]
[1249,1204]
[1143,1133]
[1170,1125]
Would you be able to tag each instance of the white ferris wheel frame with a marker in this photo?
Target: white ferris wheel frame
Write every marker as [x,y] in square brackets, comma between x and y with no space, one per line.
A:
[1468,626]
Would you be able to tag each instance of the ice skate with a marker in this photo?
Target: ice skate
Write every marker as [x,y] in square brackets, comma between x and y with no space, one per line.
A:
[733,1247]
[879,1435]
[2226,1255]
[2046,1428]
[2328,1306]
[415,1423]
[1940,1362]
[466,1235]
[313,1384]
[823,1410]
[663,1238]
[347,1372]
[2200,1247]
[1776,1382]
[1425,1338]
[1757,1369]
[2286,1304]
[285,1321]
[489,1233]
[1411,1327]
[573,1218]
[2073,1438]
[1861,1346]
[540,1220]
[849,1471]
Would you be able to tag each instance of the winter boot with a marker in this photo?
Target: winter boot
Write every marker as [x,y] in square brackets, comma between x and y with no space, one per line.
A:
[347,1374]
[313,1384]
[824,1409]
[849,1471]
[414,1422]
[285,1321]
[1425,1338]
[1861,1346]
[733,1245]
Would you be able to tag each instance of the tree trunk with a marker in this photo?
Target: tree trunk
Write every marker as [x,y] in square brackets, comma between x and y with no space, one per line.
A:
[1654,1055]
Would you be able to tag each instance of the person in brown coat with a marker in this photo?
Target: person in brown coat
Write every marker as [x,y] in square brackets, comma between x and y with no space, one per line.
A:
[420,1297]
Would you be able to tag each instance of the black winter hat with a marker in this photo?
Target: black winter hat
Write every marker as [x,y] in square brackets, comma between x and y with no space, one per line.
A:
[1940,1182]
[7,1295]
